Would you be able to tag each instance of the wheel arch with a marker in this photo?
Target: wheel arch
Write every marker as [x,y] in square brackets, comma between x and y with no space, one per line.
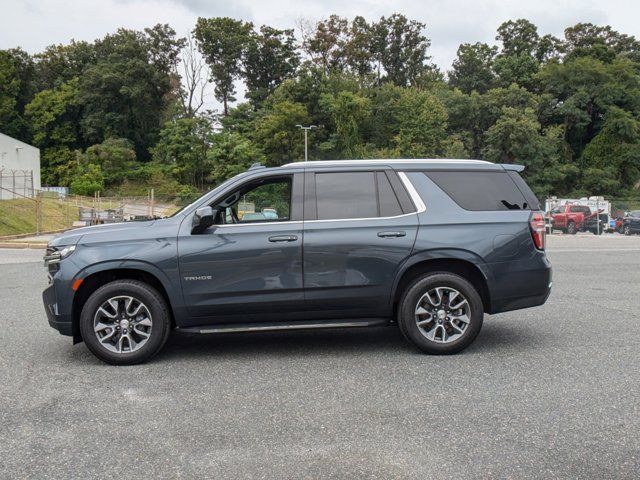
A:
[453,261]
[97,276]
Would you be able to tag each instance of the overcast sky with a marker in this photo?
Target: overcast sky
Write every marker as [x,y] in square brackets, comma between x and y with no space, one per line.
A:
[34,24]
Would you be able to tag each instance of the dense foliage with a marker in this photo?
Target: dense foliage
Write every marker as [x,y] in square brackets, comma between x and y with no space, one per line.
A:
[124,110]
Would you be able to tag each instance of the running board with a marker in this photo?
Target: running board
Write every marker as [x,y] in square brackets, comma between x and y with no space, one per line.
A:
[276,326]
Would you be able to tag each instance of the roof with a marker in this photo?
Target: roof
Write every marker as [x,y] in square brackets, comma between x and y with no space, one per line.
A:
[7,140]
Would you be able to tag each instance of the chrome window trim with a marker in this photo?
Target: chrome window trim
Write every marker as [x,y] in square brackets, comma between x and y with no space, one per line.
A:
[358,219]
[415,196]
[248,224]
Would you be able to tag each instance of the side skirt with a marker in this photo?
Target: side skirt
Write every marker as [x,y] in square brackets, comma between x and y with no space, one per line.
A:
[275,326]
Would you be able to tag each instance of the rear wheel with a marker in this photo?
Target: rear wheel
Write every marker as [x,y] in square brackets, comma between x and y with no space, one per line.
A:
[441,313]
[626,229]
[125,322]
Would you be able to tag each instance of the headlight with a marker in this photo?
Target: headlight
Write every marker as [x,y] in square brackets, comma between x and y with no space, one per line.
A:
[54,256]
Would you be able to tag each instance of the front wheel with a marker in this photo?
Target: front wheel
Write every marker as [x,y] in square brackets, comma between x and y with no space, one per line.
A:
[125,322]
[571,228]
[441,313]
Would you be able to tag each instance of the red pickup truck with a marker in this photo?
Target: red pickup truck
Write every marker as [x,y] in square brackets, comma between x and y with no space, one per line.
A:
[572,218]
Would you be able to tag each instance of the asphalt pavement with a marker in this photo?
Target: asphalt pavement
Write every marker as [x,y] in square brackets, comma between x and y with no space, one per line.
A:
[549,392]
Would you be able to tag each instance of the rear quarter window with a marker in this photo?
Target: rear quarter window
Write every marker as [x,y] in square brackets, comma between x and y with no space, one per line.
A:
[484,190]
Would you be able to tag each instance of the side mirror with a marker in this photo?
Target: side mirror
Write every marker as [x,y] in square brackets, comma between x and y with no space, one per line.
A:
[202,219]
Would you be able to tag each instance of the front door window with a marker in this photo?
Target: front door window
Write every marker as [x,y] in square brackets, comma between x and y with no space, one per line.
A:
[267,200]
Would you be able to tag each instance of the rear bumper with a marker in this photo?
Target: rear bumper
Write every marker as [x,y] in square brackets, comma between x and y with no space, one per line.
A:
[62,323]
[526,288]
[508,304]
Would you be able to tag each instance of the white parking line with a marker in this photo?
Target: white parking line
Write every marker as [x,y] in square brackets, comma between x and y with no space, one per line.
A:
[593,250]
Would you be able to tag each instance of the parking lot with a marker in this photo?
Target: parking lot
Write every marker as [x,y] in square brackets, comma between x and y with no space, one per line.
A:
[550,392]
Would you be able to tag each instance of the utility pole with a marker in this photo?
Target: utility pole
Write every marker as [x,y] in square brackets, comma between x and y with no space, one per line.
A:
[306,148]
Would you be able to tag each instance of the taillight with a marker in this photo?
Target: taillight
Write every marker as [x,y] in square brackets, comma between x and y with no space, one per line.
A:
[536,223]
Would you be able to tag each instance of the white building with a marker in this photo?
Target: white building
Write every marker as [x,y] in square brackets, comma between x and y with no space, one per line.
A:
[19,168]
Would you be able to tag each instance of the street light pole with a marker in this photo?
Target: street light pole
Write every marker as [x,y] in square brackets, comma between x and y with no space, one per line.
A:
[306,148]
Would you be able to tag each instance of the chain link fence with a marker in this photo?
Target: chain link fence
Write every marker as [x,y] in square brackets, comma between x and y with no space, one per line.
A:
[16,184]
[41,211]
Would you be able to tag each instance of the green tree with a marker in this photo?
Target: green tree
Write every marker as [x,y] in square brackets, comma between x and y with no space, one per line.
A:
[473,68]
[277,133]
[270,57]
[62,63]
[230,154]
[347,111]
[222,41]
[16,91]
[408,122]
[183,145]
[54,117]
[422,123]
[115,157]
[602,43]
[517,137]
[403,54]
[325,45]
[517,62]
[87,180]
[359,49]
[614,154]
[584,89]
[126,93]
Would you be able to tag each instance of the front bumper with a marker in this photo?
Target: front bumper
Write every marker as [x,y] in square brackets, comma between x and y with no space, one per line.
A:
[62,323]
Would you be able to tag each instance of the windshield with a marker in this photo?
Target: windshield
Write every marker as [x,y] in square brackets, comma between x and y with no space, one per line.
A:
[197,200]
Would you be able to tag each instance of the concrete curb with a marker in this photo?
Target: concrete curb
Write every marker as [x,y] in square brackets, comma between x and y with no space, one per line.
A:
[23,245]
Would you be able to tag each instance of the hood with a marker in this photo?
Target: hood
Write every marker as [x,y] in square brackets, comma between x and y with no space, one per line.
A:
[71,237]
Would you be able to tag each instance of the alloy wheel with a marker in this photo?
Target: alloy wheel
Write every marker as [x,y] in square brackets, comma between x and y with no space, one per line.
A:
[442,314]
[122,324]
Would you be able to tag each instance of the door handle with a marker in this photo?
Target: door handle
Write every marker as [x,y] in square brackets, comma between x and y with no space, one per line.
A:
[392,234]
[283,238]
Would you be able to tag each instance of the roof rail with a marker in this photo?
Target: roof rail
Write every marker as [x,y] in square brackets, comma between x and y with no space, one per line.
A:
[256,166]
[385,161]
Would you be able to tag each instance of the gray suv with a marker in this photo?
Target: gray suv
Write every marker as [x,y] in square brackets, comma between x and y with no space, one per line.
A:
[429,245]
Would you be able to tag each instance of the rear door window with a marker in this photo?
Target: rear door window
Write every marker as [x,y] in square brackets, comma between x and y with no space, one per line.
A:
[341,195]
[482,190]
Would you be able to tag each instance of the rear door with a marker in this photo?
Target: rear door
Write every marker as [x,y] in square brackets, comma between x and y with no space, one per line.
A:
[359,226]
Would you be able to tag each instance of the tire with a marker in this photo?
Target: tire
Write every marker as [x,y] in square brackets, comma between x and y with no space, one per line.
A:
[571,228]
[414,296]
[626,229]
[110,309]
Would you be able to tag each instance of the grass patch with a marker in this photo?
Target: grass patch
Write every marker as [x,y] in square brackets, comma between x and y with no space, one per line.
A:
[19,216]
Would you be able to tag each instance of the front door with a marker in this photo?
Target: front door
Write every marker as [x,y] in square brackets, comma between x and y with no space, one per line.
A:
[248,266]
[358,229]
